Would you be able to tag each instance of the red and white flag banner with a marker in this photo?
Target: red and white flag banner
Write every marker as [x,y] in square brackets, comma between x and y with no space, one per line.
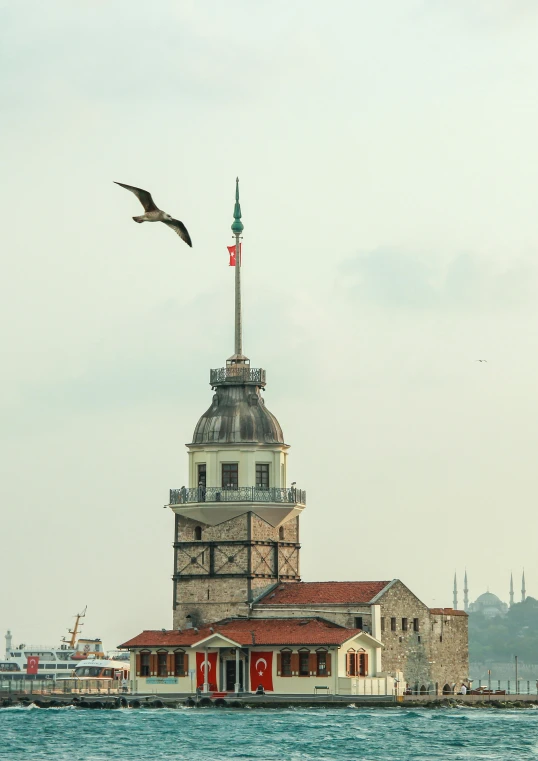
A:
[231,251]
[32,664]
[261,671]
[211,669]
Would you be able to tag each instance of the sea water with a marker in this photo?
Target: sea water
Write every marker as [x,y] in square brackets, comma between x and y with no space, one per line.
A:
[398,734]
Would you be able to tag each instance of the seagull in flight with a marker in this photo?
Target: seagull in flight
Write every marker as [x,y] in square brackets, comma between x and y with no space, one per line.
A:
[480,360]
[154,214]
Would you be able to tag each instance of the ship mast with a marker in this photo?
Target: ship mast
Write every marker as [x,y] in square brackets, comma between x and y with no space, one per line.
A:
[75,630]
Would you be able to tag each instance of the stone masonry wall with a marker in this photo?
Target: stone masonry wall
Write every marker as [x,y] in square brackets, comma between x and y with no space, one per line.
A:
[234,529]
[263,531]
[406,651]
[208,600]
[449,649]
[428,658]
[207,592]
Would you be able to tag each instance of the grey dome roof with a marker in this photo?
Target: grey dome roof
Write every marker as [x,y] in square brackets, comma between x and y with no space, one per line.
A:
[238,414]
[488,598]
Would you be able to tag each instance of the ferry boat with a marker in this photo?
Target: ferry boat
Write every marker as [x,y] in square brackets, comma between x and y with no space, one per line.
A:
[104,668]
[52,662]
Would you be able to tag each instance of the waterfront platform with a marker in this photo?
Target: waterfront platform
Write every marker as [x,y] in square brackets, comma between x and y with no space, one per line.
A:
[108,700]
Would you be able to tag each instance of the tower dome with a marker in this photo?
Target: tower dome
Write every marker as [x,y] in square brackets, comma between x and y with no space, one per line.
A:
[238,413]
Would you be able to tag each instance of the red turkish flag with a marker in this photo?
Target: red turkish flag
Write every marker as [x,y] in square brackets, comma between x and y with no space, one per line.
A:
[32,664]
[211,670]
[231,251]
[261,671]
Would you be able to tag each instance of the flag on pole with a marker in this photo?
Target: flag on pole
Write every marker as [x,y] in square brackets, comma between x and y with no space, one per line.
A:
[231,251]
[261,671]
[32,664]
[211,669]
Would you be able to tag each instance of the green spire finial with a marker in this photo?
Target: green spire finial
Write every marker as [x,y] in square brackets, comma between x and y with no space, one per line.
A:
[237,226]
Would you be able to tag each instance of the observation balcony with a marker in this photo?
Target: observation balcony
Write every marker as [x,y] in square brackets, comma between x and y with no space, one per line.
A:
[252,494]
[238,374]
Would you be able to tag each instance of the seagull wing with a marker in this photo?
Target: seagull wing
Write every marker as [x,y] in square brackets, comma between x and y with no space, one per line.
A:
[144,196]
[179,228]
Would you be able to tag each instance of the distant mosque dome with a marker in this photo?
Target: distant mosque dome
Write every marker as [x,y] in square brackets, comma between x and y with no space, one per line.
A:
[489,605]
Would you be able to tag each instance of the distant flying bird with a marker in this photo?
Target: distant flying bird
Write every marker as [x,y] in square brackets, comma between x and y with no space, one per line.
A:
[154,214]
[480,360]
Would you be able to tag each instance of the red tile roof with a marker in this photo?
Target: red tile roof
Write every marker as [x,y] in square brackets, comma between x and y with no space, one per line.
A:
[323,593]
[447,612]
[271,631]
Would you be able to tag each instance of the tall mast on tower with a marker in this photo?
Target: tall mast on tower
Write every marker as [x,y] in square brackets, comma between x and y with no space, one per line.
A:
[237,229]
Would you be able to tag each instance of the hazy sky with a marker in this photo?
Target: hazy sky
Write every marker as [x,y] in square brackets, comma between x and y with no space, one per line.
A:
[388,161]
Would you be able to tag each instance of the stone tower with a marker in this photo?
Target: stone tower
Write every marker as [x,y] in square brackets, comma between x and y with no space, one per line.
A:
[237,522]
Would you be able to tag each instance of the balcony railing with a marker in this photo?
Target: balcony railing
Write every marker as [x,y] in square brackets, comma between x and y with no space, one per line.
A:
[237,374]
[186,496]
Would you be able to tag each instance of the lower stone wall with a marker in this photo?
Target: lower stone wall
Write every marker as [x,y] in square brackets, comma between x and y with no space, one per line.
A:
[449,650]
[208,600]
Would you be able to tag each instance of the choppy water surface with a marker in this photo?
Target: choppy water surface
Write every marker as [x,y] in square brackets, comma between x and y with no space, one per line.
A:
[398,734]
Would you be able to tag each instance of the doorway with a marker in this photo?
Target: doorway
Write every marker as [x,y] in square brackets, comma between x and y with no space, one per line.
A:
[230,675]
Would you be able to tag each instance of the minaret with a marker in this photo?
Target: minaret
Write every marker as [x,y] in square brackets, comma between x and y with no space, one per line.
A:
[511,589]
[237,522]
[9,640]
[523,590]
[465,593]
[455,593]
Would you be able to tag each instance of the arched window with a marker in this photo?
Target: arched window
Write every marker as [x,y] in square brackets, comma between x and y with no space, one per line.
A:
[304,662]
[284,662]
[145,663]
[281,533]
[162,663]
[181,663]
[447,689]
[351,662]
[357,663]
[198,533]
[323,662]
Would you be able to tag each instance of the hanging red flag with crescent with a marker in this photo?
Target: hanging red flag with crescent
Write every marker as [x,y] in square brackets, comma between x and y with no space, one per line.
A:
[32,664]
[211,670]
[261,671]
[231,251]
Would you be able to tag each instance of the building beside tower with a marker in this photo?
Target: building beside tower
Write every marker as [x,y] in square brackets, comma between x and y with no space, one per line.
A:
[241,613]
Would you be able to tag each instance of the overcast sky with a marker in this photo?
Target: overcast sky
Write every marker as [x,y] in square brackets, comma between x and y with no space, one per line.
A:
[388,161]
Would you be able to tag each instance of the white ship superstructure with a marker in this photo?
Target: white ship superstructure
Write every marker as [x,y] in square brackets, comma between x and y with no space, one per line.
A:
[53,661]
